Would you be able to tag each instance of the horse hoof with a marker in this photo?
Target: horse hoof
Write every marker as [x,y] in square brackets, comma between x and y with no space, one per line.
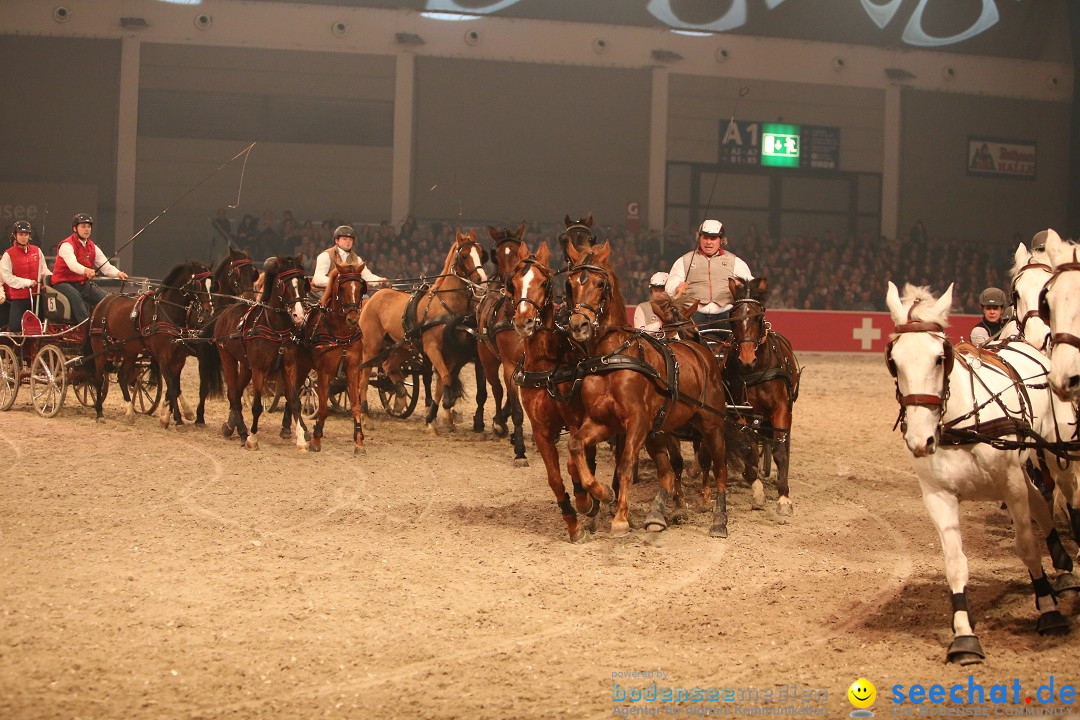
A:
[252,443]
[759,496]
[784,506]
[226,430]
[359,451]
[129,418]
[607,493]
[181,428]
[521,463]
[1066,584]
[679,516]
[313,447]
[189,416]
[965,650]
[579,535]
[499,430]
[620,528]
[1052,623]
[655,522]
[100,419]
[478,426]
[285,434]
[200,423]
[718,530]
[430,429]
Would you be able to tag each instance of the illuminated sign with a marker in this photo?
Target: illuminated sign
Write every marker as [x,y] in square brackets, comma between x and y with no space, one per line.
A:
[1001,158]
[780,145]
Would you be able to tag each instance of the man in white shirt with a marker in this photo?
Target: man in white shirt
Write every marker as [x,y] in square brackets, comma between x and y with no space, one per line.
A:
[78,262]
[704,275]
[342,252]
[644,317]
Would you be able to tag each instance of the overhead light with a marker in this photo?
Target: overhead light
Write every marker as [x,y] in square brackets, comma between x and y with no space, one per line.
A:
[448,16]
[134,23]
[182,2]
[666,55]
[692,33]
[404,38]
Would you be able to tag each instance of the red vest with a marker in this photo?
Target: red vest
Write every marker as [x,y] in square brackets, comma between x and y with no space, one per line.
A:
[24,264]
[83,255]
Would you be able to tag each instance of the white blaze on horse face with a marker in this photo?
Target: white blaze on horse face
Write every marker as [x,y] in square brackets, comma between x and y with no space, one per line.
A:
[475,255]
[920,371]
[524,311]
[298,312]
[1063,298]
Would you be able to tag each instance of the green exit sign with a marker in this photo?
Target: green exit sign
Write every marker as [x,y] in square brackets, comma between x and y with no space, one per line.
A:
[779,145]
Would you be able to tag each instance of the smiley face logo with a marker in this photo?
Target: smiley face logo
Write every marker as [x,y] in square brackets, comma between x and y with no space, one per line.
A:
[862,695]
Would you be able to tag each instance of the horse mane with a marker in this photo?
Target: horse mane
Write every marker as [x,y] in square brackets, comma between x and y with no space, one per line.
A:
[449,262]
[177,273]
[233,254]
[920,303]
[616,313]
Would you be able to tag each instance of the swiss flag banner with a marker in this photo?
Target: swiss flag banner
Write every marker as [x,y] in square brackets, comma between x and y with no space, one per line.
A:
[846,330]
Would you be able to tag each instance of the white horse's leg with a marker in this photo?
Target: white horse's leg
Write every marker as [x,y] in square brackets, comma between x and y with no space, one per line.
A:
[1051,621]
[944,510]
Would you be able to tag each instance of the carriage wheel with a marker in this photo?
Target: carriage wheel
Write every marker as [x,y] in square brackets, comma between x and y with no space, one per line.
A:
[309,396]
[85,392]
[339,393]
[9,377]
[48,381]
[765,455]
[272,389]
[146,388]
[387,394]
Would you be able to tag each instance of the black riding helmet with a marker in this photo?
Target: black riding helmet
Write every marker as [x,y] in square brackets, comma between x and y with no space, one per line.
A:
[81,218]
[20,226]
[344,231]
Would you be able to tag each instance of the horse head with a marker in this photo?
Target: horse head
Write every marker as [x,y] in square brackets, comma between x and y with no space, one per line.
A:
[345,291]
[920,358]
[236,275]
[594,292]
[675,315]
[1059,307]
[578,234]
[529,284]
[1029,276]
[748,326]
[191,286]
[468,258]
[285,287]
[505,246]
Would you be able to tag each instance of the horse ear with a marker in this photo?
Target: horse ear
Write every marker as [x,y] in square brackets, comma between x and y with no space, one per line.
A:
[520,231]
[1021,256]
[1057,249]
[522,251]
[574,253]
[759,288]
[568,221]
[472,235]
[892,301]
[734,286]
[542,253]
[944,303]
[493,233]
[603,252]
[588,220]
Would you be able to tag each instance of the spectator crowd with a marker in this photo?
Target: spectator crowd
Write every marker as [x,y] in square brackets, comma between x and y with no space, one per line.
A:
[814,272]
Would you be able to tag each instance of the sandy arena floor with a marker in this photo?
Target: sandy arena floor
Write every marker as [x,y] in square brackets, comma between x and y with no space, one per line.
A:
[151,573]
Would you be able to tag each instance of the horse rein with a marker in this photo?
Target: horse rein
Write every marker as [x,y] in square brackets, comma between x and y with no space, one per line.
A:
[760,313]
[1036,311]
[1044,305]
[601,309]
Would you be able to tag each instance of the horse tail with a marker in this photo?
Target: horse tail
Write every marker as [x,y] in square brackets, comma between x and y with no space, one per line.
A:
[458,347]
[211,376]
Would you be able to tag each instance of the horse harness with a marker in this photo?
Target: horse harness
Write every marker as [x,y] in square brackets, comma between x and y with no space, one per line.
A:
[1044,305]
[772,341]
[313,337]
[159,325]
[1038,310]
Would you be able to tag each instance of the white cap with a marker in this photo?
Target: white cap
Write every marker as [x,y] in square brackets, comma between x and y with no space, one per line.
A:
[658,279]
[712,227]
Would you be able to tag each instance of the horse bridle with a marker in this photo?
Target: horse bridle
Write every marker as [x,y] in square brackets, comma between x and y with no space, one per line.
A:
[1036,311]
[760,313]
[285,275]
[350,277]
[921,399]
[232,274]
[605,294]
[548,274]
[191,290]
[1044,304]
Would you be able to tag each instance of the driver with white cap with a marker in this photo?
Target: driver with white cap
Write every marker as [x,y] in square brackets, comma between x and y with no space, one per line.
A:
[704,273]
[644,317]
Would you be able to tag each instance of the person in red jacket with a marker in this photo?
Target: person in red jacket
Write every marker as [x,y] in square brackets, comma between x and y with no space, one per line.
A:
[78,262]
[21,268]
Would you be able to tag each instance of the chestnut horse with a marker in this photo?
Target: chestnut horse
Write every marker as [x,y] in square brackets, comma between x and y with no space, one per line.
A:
[234,278]
[579,234]
[764,373]
[547,378]
[123,327]
[254,341]
[499,347]
[331,336]
[644,388]
[406,322]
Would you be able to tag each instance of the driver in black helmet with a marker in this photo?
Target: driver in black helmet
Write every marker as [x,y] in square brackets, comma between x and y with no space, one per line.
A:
[989,328]
[22,267]
[78,262]
[341,251]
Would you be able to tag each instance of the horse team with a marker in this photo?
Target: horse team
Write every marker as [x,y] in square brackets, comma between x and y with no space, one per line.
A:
[997,422]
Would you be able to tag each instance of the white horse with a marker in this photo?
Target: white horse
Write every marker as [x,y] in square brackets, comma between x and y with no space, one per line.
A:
[1060,306]
[956,413]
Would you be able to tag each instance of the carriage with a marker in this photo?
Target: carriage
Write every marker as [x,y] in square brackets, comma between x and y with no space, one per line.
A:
[52,359]
[338,397]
